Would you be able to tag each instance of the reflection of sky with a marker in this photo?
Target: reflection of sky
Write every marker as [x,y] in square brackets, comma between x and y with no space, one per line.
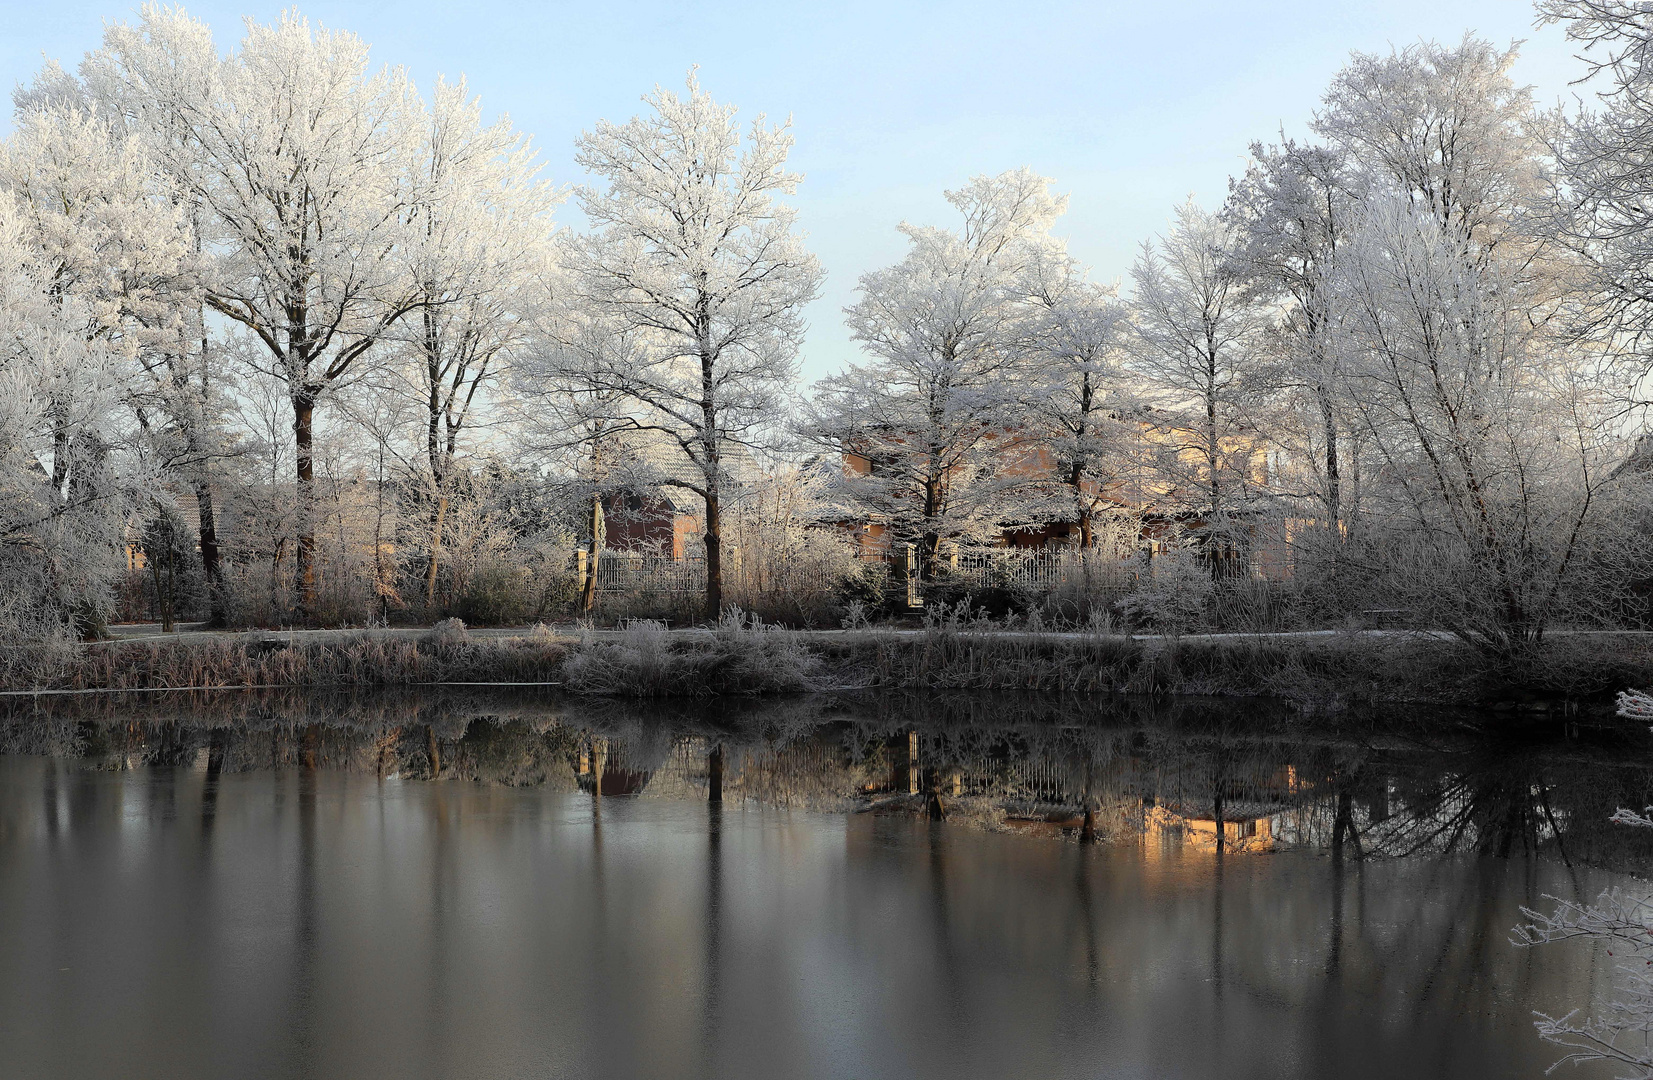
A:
[334,925]
[1131,107]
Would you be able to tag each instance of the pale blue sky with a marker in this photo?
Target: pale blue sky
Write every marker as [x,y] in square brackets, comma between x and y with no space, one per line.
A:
[1131,107]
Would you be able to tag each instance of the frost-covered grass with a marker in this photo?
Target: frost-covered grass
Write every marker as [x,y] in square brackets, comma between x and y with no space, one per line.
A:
[1320,669]
[366,658]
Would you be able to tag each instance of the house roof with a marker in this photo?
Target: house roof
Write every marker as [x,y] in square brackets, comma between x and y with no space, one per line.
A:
[1639,462]
[661,459]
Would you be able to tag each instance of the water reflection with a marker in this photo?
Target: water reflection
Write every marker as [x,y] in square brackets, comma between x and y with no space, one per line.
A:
[273,886]
[1210,776]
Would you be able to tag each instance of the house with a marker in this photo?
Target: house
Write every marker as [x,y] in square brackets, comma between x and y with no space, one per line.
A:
[654,521]
[1143,489]
[654,516]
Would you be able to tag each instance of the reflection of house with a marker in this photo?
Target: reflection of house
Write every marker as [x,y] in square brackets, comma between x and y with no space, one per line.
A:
[1245,830]
[603,767]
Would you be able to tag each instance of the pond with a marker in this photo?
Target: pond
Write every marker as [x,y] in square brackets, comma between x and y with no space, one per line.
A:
[488,885]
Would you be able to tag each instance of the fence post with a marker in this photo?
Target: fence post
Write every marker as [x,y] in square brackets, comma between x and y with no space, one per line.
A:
[912,575]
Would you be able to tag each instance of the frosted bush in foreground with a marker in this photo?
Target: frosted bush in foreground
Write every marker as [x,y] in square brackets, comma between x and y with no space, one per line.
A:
[741,655]
[1623,920]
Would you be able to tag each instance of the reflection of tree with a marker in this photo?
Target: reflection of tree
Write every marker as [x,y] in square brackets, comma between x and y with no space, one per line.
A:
[1201,773]
[1322,955]
[1501,797]
[301,991]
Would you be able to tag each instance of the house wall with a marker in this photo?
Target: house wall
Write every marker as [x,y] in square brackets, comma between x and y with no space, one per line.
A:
[647,523]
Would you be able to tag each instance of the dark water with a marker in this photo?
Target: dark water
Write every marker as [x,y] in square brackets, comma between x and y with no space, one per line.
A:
[281,888]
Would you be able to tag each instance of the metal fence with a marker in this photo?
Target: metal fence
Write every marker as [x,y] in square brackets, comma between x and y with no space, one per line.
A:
[636,572]
[1044,570]
[1051,569]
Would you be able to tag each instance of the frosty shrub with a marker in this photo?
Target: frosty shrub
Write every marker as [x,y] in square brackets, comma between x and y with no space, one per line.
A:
[1174,597]
[740,655]
[1622,921]
[448,633]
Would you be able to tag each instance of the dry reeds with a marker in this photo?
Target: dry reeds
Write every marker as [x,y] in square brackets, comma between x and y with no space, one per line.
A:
[255,659]
[744,656]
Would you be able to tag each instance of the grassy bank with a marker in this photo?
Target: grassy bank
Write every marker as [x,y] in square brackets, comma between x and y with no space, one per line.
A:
[747,658]
[1326,669]
[255,659]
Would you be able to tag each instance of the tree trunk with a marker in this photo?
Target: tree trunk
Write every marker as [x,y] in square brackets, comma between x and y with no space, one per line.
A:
[929,545]
[929,554]
[303,431]
[1216,544]
[594,551]
[1334,479]
[276,555]
[435,550]
[218,613]
[1213,459]
[433,449]
[1076,480]
[218,604]
[714,556]
[1076,475]
[713,463]
[160,591]
[60,459]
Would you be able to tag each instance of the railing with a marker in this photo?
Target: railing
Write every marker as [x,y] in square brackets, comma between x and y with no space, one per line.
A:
[1049,569]
[634,571]
[1042,569]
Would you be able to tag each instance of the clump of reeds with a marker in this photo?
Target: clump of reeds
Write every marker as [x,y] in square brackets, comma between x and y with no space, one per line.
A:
[741,654]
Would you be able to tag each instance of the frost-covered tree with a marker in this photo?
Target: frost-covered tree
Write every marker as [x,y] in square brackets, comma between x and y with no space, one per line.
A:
[480,237]
[298,165]
[1485,423]
[575,416]
[118,236]
[96,225]
[1074,345]
[1449,129]
[938,412]
[1621,920]
[695,265]
[1294,207]
[67,480]
[1606,192]
[1195,332]
[111,239]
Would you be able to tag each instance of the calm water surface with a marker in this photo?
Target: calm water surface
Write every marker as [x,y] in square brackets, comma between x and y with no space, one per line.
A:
[475,888]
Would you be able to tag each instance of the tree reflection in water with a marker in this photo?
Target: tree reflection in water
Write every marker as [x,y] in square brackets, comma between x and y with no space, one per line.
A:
[1205,774]
[1378,939]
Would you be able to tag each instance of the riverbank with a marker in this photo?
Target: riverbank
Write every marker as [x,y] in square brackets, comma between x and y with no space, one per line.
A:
[1315,669]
